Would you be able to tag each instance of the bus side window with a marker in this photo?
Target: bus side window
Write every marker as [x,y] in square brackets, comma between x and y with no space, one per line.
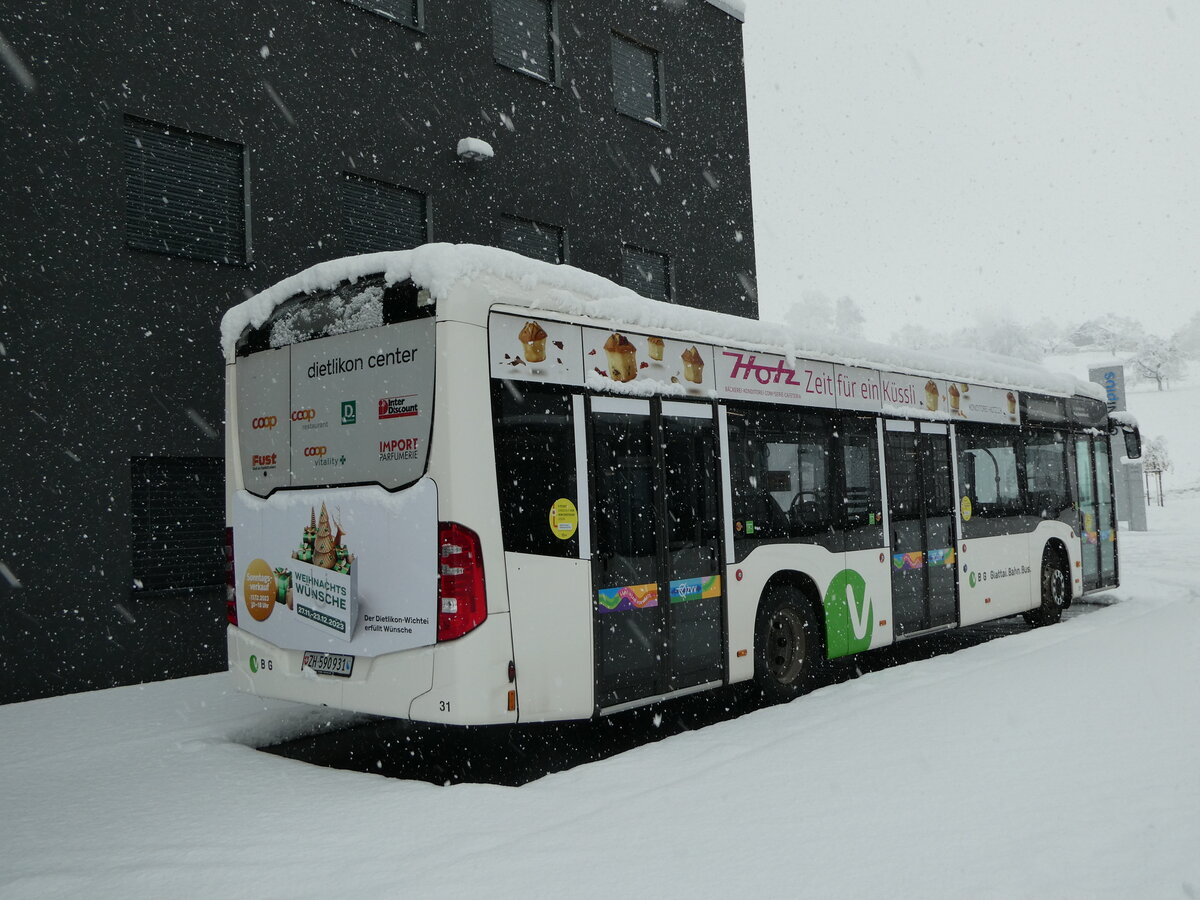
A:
[781,474]
[535,464]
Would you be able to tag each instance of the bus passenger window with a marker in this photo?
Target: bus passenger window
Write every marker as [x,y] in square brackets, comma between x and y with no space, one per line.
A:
[535,464]
[990,467]
[780,473]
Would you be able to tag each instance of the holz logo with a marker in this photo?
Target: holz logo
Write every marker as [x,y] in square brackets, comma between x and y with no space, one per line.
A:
[315,451]
[264,422]
[303,415]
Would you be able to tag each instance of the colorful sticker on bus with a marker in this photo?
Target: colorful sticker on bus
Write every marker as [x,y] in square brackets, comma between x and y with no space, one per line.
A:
[906,562]
[632,596]
[704,588]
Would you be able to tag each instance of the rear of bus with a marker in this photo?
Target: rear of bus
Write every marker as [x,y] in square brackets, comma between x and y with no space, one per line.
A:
[358,577]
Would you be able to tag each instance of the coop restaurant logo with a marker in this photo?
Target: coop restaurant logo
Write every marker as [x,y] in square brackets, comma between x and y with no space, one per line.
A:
[264,422]
[398,407]
[303,415]
[315,451]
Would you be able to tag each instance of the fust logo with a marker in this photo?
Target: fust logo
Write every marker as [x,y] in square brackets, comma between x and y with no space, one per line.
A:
[349,412]
[264,461]
[315,451]
[848,614]
[264,422]
[303,415]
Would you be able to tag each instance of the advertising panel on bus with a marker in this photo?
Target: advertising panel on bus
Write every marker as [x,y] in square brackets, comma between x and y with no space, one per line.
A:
[540,349]
[346,409]
[351,570]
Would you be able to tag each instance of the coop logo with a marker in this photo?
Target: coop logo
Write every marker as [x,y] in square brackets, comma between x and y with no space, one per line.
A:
[398,407]
[303,415]
[264,422]
[263,461]
[315,451]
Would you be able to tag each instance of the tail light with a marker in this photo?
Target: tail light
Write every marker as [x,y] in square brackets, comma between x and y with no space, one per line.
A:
[462,601]
[230,580]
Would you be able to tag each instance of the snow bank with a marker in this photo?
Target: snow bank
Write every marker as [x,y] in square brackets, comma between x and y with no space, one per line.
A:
[566,289]
[1059,762]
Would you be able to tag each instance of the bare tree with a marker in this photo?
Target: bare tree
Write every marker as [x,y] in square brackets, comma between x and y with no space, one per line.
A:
[1157,360]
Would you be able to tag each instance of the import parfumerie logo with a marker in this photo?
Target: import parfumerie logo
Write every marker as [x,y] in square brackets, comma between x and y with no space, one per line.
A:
[349,412]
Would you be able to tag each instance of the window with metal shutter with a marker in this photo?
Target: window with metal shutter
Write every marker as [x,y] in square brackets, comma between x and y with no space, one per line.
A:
[406,12]
[535,239]
[185,194]
[646,272]
[521,36]
[635,80]
[178,522]
[381,216]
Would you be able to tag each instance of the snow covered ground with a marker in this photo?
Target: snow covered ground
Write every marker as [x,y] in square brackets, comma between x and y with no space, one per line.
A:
[1053,763]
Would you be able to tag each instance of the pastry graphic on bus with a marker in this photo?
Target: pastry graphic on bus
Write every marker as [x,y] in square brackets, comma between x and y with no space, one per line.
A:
[931,396]
[693,365]
[954,397]
[655,346]
[533,341]
[622,357]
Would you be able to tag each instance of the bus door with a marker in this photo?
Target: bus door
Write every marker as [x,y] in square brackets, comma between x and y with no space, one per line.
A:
[658,604]
[920,486]
[1097,525]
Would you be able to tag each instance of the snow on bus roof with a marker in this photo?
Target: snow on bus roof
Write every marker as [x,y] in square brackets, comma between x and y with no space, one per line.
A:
[574,292]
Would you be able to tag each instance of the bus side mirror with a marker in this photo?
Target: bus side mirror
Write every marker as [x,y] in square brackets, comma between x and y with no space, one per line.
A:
[1133,442]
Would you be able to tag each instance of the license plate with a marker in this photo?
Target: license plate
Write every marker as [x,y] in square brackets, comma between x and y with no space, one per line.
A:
[329,663]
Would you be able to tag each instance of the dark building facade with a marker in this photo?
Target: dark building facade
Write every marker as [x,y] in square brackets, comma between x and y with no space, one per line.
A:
[165,161]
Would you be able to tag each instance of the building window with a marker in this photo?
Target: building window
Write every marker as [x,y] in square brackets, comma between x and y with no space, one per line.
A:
[636,88]
[185,194]
[523,36]
[646,272]
[178,520]
[534,239]
[406,12]
[381,216]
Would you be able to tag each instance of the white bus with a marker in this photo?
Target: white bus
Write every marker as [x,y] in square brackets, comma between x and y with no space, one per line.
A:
[471,488]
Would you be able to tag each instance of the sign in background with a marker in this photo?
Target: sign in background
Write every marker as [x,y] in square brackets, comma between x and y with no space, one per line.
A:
[1112,379]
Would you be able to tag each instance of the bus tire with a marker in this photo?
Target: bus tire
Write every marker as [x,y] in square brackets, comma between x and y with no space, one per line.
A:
[788,649]
[1056,590]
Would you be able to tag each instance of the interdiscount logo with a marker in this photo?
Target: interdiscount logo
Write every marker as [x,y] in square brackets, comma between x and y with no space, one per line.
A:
[303,415]
[264,422]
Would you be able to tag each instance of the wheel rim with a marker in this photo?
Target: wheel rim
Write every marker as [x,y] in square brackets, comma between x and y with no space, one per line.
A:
[1056,586]
[786,646]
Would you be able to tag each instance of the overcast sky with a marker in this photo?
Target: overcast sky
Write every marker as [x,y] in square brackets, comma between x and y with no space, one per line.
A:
[929,158]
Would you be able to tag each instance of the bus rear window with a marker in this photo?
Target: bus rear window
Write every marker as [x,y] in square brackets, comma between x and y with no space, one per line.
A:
[352,306]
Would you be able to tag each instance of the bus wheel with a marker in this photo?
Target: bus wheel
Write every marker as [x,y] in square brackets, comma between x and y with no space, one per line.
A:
[1056,591]
[787,646]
